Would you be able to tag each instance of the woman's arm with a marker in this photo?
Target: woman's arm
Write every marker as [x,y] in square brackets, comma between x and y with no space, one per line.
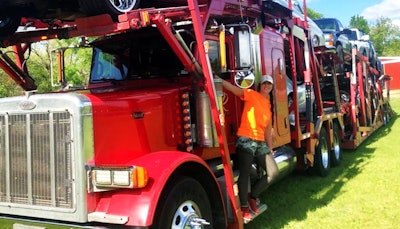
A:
[232,88]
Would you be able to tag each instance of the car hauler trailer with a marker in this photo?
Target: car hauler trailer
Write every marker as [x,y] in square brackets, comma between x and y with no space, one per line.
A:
[150,142]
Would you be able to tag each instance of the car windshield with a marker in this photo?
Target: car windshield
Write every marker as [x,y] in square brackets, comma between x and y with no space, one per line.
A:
[326,25]
[352,35]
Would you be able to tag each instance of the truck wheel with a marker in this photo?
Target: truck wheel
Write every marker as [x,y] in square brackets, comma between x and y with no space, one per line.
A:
[112,7]
[183,204]
[322,155]
[8,25]
[336,153]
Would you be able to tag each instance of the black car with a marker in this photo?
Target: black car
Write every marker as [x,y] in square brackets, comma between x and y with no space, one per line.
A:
[11,11]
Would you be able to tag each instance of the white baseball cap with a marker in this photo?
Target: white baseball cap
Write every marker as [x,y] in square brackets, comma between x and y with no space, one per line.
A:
[266,78]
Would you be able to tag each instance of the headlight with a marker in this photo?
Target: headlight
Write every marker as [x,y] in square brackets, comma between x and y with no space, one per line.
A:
[102,177]
[131,177]
[329,39]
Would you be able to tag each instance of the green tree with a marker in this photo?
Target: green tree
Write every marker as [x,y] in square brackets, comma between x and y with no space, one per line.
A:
[386,37]
[314,14]
[41,61]
[359,22]
[8,87]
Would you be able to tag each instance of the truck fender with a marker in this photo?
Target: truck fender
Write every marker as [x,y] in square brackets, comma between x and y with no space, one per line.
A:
[138,206]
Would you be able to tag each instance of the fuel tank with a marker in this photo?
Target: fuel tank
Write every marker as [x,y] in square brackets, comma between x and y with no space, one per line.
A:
[286,160]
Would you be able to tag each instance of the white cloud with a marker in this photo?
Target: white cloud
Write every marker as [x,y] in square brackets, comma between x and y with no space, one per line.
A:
[387,8]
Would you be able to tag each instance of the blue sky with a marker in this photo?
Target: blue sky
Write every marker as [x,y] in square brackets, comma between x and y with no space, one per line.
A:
[343,10]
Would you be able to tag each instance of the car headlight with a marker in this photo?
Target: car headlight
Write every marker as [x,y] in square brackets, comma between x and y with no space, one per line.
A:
[131,177]
[329,39]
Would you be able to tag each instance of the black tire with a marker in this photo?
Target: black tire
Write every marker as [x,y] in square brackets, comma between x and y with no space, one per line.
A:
[322,162]
[385,114]
[384,118]
[336,153]
[364,53]
[183,200]
[94,7]
[340,54]
[8,25]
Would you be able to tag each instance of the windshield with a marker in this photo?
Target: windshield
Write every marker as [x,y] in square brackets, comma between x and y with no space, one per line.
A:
[353,35]
[327,25]
[108,66]
[134,57]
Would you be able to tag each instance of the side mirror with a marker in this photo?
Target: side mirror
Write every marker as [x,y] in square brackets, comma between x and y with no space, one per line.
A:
[244,58]
[244,79]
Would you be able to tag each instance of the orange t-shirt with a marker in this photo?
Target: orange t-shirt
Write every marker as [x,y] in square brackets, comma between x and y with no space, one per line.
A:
[256,115]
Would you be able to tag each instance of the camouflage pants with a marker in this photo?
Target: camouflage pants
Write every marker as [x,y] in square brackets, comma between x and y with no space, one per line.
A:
[249,152]
[253,147]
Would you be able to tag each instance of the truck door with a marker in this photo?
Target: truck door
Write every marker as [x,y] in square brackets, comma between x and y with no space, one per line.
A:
[273,63]
[281,112]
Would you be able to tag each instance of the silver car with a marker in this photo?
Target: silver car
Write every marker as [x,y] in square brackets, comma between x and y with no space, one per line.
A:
[11,11]
[361,41]
[335,36]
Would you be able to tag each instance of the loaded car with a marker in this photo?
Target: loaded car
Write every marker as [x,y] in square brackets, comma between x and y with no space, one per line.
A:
[335,36]
[317,35]
[301,99]
[361,41]
[11,11]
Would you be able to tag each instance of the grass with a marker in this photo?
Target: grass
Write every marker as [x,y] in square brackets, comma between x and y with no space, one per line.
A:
[363,192]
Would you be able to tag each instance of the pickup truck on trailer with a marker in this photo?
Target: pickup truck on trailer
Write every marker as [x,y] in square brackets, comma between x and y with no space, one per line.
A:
[361,41]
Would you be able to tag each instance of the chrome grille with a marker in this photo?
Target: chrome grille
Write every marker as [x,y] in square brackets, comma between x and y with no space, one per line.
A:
[36,159]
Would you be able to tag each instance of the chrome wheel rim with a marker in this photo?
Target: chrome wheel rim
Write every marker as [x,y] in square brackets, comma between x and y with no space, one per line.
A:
[123,5]
[324,154]
[187,216]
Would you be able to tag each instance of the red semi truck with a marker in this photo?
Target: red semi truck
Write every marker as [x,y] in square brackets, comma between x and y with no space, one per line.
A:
[149,143]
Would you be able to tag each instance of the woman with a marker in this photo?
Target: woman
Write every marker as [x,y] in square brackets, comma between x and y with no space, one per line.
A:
[254,142]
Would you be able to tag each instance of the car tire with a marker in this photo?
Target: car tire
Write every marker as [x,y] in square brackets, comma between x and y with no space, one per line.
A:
[94,7]
[340,54]
[8,25]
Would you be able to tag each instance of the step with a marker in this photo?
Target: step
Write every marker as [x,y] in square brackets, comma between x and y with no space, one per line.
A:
[261,208]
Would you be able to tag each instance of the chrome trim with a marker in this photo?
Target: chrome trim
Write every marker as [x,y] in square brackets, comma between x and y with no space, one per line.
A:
[58,130]
[103,217]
